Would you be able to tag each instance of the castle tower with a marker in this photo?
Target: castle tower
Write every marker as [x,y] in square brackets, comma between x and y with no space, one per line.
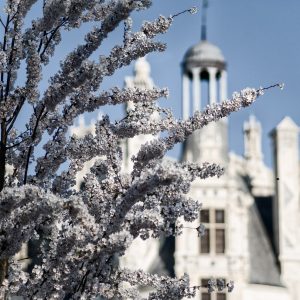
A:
[287,206]
[141,254]
[204,82]
[142,80]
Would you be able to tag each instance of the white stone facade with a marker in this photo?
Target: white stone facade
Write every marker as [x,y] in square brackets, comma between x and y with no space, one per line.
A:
[258,244]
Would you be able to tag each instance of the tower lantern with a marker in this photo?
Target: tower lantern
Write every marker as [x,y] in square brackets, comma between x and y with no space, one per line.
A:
[204,61]
[204,67]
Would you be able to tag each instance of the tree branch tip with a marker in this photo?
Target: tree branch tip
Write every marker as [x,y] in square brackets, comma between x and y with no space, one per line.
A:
[193,10]
[280,85]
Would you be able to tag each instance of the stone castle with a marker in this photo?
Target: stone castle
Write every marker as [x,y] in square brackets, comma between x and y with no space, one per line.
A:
[251,214]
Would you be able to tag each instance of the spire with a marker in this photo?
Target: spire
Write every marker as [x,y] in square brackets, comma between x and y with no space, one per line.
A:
[204,20]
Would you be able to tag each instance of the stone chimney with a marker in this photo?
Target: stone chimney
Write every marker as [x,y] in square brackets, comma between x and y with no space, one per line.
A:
[286,204]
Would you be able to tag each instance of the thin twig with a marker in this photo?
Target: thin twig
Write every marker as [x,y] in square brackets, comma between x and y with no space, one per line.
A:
[2,23]
[17,144]
[280,85]
[192,10]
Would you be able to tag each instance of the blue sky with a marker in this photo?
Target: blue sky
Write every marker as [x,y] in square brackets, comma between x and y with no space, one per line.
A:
[259,39]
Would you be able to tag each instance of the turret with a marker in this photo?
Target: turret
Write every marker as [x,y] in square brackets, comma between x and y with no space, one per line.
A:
[204,81]
[142,253]
[142,80]
[252,140]
[260,177]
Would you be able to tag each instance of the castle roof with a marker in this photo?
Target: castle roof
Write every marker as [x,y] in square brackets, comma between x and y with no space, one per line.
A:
[204,54]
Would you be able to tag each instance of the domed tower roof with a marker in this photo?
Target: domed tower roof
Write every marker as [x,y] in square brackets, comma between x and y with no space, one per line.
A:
[204,54]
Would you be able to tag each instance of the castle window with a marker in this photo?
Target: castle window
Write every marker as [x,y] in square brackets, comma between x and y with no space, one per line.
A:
[221,296]
[220,240]
[219,216]
[205,242]
[213,241]
[204,215]
[205,295]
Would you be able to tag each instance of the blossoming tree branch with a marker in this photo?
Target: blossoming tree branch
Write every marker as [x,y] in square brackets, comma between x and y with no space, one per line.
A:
[80,234]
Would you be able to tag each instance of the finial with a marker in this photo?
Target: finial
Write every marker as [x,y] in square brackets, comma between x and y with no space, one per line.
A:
[204,20]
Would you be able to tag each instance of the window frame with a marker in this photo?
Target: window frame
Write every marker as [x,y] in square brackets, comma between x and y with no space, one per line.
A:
[212,226]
